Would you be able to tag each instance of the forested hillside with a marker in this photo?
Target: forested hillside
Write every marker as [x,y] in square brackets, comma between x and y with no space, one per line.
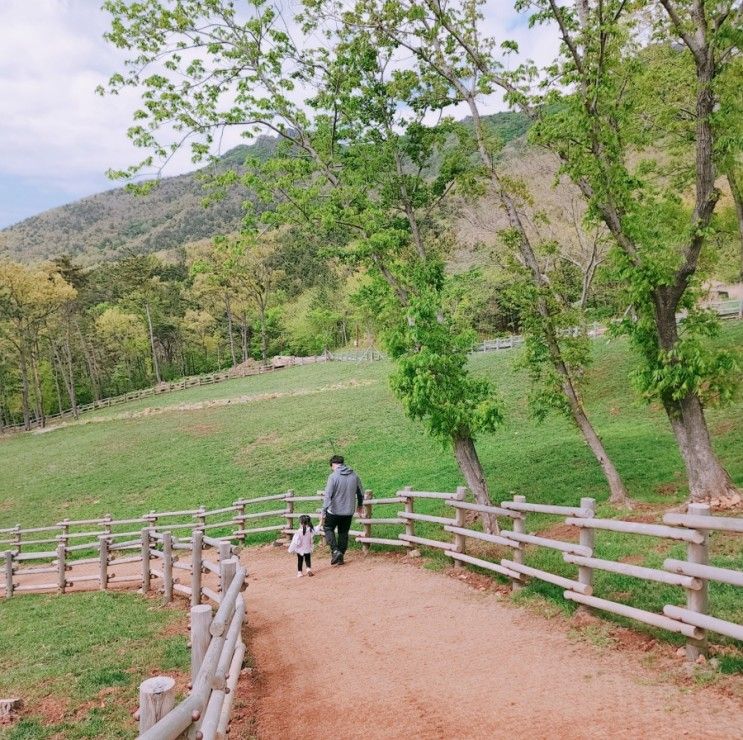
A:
[116,223]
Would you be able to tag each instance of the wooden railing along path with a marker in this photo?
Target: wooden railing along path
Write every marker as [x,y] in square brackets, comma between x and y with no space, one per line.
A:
[217,648]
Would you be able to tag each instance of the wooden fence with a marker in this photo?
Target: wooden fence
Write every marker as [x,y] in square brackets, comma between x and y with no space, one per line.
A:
[249,518]
[217,648]
[193,381]
[692,574]
[217,652]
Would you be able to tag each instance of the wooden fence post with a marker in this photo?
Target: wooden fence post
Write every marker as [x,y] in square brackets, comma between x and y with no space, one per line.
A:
[698,601]
[201,517]
[459,541]
[368,495]
[587,536]
[107,523]
[227,570]
[167,567]
[145,560]
[289,510]
[518,525]
[17,537]
[103,561]
[61,566]
[240,519]
[201,619]
[8,573]
[409,523]
[156,699]
[197,539]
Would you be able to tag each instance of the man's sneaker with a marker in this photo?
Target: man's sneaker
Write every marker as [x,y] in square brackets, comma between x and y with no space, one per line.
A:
[337,557]
[340,559]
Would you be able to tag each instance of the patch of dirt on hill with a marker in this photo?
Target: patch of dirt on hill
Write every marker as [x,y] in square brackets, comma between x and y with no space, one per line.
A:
[209,404]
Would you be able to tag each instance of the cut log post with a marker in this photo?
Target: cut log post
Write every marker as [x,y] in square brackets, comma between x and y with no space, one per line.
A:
[586,538]
[167,567]
[106,522]
[17,535]
[698,600]
[145,560]
[227,569]
[156,699]
[201,619]
[196,560]
[458,539]
[519,527]
[409,523]
[8,573]
[103,543]
[289,511]
[61,567]
[368,495]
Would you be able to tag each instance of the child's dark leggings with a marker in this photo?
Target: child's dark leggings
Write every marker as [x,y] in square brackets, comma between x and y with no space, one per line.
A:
[307,559]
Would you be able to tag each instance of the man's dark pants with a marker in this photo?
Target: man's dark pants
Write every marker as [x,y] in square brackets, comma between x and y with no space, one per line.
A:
[343,523]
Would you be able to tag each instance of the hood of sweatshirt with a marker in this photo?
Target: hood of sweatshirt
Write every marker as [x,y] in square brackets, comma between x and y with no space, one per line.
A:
[344,470]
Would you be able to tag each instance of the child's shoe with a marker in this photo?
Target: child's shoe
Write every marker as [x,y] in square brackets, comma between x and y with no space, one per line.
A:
[299,574]
[310,573]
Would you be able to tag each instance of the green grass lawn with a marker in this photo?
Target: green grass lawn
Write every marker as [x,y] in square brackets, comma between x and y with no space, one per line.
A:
[77,661]
[169,458]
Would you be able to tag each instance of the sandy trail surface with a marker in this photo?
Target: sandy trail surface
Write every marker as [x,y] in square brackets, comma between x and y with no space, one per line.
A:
[379,648]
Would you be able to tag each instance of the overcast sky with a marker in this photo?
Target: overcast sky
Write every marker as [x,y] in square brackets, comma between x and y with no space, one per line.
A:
[57,137]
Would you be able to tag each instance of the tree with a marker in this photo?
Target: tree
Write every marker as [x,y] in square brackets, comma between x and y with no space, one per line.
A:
[343,171]
[659,240]
[125,338]
[456,62]
[29,296]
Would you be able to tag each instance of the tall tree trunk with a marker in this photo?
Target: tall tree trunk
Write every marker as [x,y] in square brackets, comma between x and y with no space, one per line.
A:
[618,493]
[95,383]
[737,191]
[36,387]
[25,401]
[155,365]
[244,336]
[228,311]
[70,378]
[708,479]
[54,361]
[471,468]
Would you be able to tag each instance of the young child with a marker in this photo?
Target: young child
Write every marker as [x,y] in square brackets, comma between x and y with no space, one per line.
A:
[301,544]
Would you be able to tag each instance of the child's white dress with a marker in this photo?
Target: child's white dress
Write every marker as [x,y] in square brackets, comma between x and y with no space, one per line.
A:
[302,542]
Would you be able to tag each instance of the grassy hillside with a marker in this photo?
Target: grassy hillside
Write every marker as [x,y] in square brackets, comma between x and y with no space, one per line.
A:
[279,429]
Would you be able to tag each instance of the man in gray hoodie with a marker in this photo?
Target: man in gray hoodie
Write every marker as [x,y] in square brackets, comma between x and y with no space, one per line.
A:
[343,495]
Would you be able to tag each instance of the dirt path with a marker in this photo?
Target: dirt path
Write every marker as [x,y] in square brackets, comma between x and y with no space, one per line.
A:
[381,649]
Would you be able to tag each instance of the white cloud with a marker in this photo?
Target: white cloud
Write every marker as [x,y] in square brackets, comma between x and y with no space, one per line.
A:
[56,130]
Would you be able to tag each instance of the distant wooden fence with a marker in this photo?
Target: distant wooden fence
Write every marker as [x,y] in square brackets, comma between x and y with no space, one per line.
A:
[192,381]
[217,648]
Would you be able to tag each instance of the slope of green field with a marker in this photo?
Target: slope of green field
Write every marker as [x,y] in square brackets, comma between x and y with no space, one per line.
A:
[278,430]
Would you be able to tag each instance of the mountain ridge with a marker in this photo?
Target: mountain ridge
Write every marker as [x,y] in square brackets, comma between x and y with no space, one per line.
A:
[104,226]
